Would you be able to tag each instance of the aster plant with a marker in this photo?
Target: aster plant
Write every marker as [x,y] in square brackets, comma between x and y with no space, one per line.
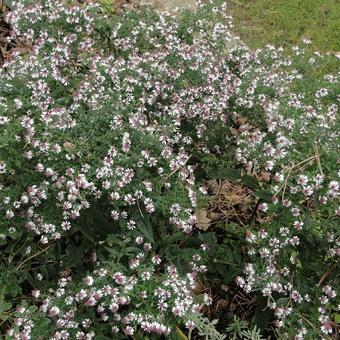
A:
[111,127]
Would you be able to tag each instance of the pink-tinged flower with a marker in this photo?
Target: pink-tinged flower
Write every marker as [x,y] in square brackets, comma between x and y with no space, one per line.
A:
[156,259]
[326,325]
[139,240]
[119,278]
[115,215]
[294,241]
[286,203]
[81,295]
[114,307]
[21,309]
[128,330]
[54,311]
[67,205]
[115,330]
[91,302]
[295,211]
[88,280]
[298,225]
[303,180]
[263,207]
[190,325]
[204,246]
[35,293]
[126,144]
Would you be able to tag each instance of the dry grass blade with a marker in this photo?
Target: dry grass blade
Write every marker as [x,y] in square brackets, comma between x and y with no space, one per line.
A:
[230,202]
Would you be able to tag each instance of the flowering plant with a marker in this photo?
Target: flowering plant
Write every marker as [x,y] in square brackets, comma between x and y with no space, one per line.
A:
[113,128]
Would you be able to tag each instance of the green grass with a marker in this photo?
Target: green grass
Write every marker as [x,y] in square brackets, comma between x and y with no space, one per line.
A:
[287,22]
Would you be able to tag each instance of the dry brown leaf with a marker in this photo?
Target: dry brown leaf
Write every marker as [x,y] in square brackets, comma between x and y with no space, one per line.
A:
[215,216]
[243,120]
[263,176]
[202,221]
[68,145]
[225,288]
[222,304]
[212,186]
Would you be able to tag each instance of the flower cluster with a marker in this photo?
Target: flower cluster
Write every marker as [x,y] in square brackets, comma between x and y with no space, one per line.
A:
[296,149]
[113,127]
[108,126]
[138,103]
[117,301]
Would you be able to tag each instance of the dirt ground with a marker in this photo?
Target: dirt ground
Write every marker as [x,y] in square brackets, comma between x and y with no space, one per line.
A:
[169,5]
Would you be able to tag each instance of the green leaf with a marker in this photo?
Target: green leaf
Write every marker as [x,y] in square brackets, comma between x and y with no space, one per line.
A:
[146,230]
[175,237]
[264,194]
[250,182]
[133,250]
[88,233]
[337,318]
[208,237]
[227,173]
[138,336]
[112,251]
[308,220]
[262,314]
[33,309]
[8,3]
[282,301]
[5,306]
[181,335]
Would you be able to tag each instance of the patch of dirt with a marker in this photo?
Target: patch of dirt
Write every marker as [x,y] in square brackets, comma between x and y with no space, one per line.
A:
[169,5]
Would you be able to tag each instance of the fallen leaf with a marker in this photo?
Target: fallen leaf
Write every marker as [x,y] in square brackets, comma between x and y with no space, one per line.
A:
[68,145]
[202,221]
[264,176]
[225,288]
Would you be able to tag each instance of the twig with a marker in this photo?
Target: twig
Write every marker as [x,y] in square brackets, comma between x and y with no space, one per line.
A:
[317,155]
[308,160]
[140,210]
[285,184]
[316,330]
[293,167]
[34,255]
[324,276]
[87,138]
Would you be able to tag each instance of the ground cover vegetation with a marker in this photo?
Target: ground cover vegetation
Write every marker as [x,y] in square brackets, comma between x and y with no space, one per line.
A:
[158,181]
[283,23]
